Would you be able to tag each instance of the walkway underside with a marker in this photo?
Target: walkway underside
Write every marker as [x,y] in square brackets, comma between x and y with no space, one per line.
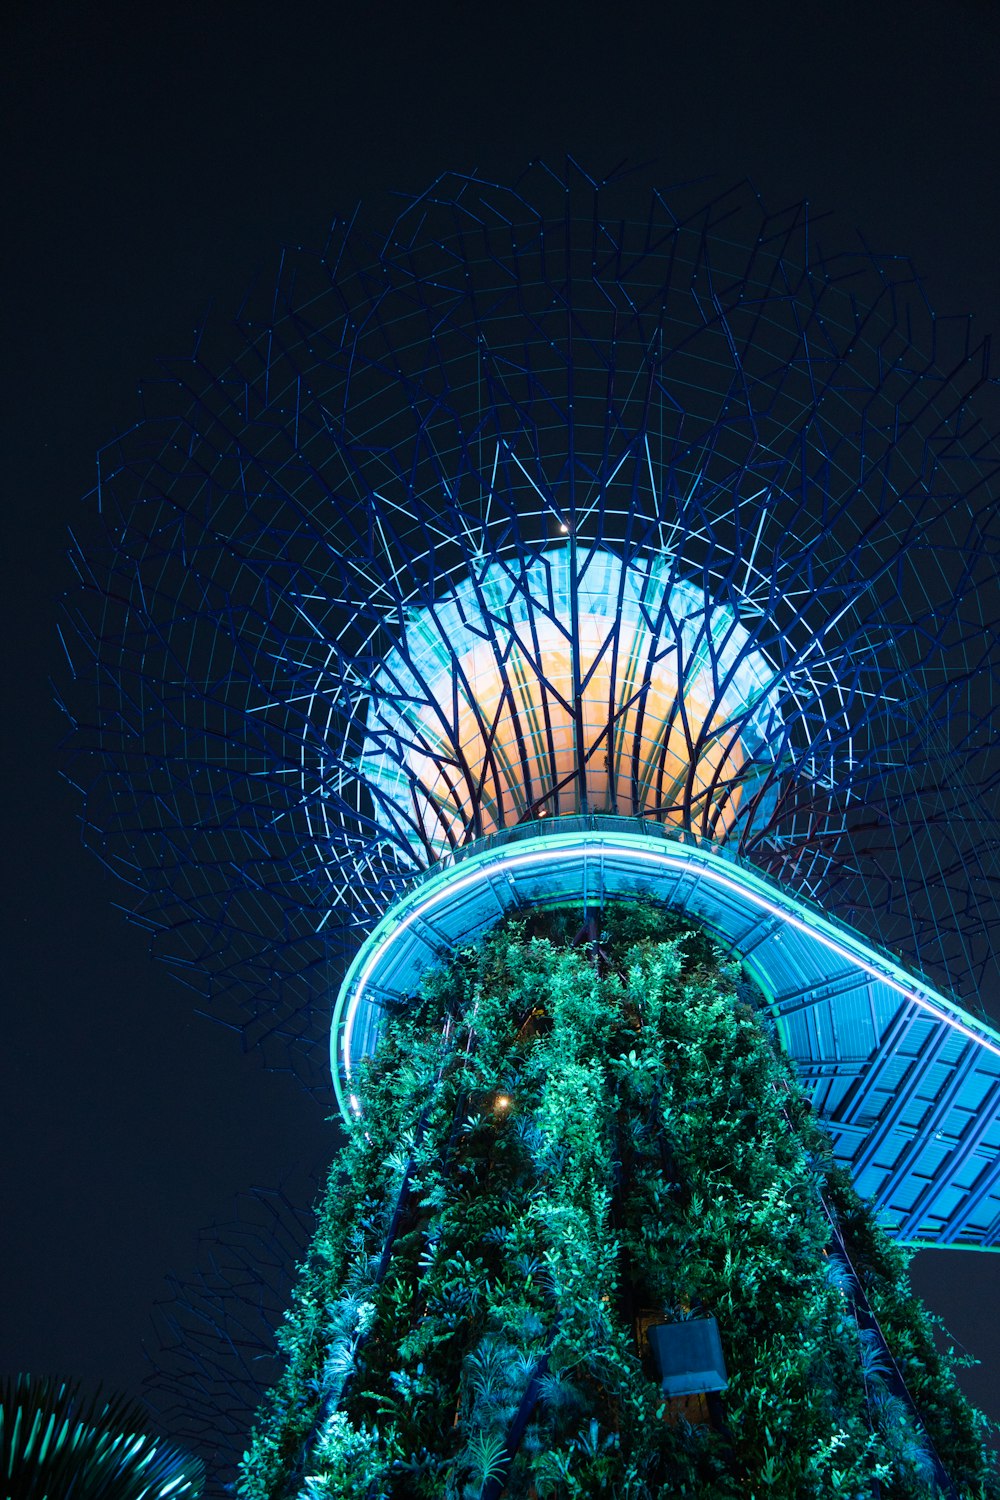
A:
[907,1083]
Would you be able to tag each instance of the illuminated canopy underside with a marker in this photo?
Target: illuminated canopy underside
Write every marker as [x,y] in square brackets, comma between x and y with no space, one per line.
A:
[576,683]
[320,633]
[906,1082]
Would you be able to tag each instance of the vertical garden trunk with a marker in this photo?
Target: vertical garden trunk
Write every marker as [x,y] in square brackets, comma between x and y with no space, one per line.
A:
[572,1141]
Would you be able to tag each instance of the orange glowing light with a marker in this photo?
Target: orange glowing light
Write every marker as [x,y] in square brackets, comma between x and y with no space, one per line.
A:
[648,748]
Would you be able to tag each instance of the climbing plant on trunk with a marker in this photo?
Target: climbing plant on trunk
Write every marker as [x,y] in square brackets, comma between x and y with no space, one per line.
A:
[570,1133]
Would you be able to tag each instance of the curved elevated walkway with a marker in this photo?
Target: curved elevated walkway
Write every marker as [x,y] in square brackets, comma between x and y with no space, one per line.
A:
[907,1082]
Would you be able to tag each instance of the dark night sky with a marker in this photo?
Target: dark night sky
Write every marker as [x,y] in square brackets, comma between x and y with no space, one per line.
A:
[155,159]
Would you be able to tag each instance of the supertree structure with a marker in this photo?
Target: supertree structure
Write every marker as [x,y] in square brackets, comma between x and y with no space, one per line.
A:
[623,572]
[213,1356]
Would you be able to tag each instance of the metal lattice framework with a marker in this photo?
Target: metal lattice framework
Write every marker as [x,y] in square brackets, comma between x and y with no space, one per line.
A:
[216,1355]
[555,499]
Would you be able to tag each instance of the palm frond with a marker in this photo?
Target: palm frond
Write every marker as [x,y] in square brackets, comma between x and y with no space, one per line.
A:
[54,1441]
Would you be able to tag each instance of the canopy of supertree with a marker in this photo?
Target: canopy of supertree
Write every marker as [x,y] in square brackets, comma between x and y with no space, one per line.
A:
[569,683]
[563,498]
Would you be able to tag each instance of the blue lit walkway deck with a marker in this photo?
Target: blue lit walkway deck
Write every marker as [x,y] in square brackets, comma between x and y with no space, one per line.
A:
[906,1081]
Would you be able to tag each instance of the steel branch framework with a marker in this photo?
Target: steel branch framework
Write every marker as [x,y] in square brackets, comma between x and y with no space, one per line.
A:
[555,499]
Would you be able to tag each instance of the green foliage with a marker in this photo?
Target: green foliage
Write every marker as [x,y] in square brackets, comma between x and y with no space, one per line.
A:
[486,1453]
[54,1442]
[557,1139]
[955,1428]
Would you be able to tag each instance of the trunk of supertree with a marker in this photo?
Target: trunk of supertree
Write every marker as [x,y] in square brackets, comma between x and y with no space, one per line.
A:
[576,1139]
